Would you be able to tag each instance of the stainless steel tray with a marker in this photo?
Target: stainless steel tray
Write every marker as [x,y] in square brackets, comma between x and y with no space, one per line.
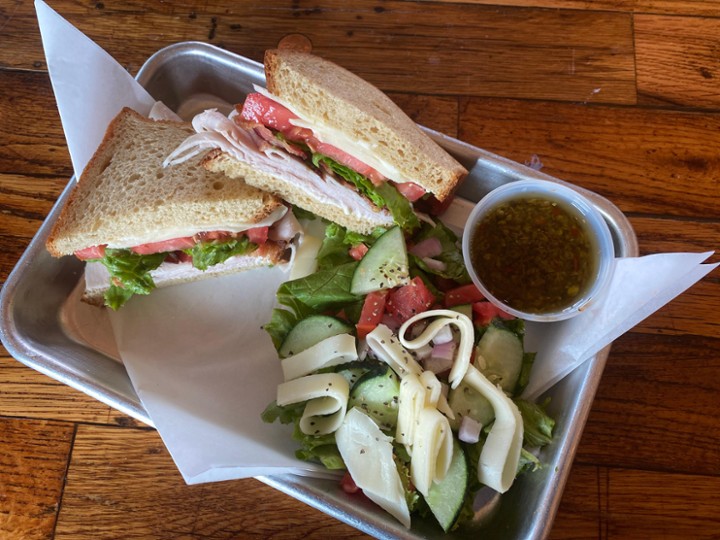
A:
[189,77]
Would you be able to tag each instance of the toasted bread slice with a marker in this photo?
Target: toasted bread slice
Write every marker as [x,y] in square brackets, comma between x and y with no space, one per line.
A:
[126,198]
[329,95]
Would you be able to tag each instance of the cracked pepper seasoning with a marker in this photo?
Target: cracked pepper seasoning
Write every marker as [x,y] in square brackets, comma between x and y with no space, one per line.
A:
[534,254]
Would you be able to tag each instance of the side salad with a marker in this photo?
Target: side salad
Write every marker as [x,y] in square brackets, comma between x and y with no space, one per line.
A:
[399,372]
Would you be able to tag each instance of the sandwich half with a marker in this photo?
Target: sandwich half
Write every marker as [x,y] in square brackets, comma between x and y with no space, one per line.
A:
[323,139]
[141,225]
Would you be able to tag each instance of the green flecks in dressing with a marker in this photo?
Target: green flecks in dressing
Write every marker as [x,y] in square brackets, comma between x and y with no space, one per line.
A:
[534,254]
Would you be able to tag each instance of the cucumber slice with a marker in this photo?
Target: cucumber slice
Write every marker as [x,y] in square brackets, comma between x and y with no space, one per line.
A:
[376,394]
[353,374]
[311,331]
[384,266]
[446,498]
[499,357]
[466,401]
[464,309]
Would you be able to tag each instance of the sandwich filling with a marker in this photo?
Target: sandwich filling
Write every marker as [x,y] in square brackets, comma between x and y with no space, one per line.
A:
[130,269]
[269,136]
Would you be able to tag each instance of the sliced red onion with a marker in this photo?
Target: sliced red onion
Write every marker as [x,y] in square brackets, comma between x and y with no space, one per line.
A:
[423,352]
[434,264]
[391,323]
[469,431]
[430,247]
[444,335]
[441,358]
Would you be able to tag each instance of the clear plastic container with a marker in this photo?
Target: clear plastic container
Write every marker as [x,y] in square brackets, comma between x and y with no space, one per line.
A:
[573,201]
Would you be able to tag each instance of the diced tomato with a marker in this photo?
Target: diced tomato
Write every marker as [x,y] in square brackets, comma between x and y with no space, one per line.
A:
[358,252]
[174,244]
[409,300]
[348,485]
[258,235]
[410,190]
[466,294]
[93,252]
[485,312]
[372,312]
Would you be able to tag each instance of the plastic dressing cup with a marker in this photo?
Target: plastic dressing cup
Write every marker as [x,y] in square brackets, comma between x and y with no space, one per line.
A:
[538,250]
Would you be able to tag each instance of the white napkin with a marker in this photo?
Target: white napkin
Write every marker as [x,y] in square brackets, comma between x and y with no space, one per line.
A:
[197,357]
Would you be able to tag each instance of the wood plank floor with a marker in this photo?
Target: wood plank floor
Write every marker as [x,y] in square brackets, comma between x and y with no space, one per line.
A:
[619,96]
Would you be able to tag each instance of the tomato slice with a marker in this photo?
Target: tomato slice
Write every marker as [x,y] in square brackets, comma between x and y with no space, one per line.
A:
[258,235]
[93,252]
[410,190]
[348,485]
[409,300]
[263,110]
[466,294]
[485,312]
[174,244]
[372,312]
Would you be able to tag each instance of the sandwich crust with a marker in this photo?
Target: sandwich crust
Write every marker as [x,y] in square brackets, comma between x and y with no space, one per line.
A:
[125,197]
[326,93]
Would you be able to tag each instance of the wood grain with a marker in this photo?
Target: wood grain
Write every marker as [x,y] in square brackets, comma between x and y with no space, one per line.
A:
[119,478]
[643,159]
[490,51]
[34,456]
[678,60]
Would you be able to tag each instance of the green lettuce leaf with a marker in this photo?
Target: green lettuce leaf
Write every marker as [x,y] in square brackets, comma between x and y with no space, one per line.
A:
[538,426]
[325,289]
[129,274]
[207,254]
[384,196]
[281,322]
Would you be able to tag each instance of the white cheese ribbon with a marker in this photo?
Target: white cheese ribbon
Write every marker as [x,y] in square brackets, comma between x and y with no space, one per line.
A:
[432,449]
[500,454]
[445,317]
[387,348]
[326,395]
[411,400]
[329,352]
[368,455]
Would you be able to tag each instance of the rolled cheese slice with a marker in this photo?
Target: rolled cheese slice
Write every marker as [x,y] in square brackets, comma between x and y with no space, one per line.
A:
[388,349]
[411,400]
[326,395]
[368,455]
[432,449]
[329,352]
[500,454]
[444,317]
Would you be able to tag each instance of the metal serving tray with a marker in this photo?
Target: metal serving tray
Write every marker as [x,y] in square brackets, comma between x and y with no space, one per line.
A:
[189,77]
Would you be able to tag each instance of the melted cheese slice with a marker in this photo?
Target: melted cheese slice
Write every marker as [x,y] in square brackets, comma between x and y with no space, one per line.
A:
[500,454]
[326,395]
[444,317]
[387,348]
[329,352]
[368,455]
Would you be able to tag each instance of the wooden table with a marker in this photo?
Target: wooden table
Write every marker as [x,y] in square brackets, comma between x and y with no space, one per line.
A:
[618,96]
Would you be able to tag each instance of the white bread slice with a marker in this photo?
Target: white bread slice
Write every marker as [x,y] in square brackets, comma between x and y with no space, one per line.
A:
[360,216]
[327,94]
[97,277]
[126,198]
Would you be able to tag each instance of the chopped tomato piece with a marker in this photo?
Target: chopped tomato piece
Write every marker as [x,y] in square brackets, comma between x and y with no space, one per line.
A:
[93,252]
[372,312]
[466,294]
[348,485]
[485,312]
[410,190]
[258,235]
[358,252]
[409,300]
[262,110]
[174,244]
[346,159]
